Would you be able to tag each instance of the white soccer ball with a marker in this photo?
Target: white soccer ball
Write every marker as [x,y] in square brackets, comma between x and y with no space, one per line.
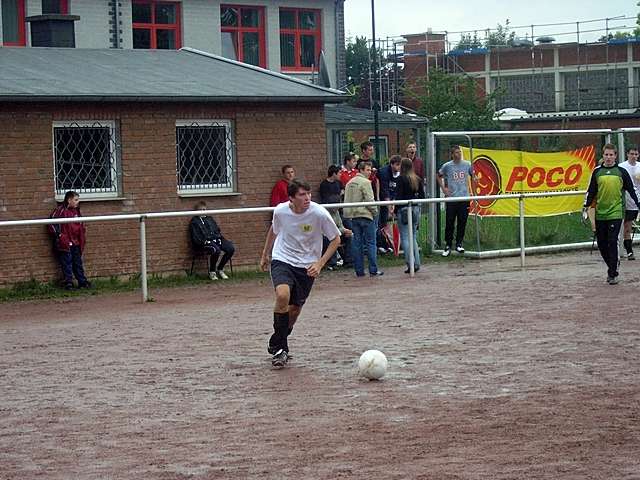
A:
[372,364]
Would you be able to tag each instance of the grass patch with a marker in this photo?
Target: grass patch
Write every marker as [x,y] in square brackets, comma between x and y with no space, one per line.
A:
[504,232]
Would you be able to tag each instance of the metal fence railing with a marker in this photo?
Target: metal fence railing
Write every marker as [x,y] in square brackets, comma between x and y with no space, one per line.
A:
[142,218]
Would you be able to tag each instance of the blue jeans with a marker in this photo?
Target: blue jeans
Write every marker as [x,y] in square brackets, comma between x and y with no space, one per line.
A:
[71,264]
[404,234]
[364,236]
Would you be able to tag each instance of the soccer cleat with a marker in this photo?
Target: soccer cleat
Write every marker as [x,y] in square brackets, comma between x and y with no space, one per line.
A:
[630,256]
[279,359]
[222,275]
[446,252]
[460,249]
[213,276]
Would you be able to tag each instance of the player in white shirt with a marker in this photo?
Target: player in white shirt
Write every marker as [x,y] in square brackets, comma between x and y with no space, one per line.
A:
[293,249]
[631,210]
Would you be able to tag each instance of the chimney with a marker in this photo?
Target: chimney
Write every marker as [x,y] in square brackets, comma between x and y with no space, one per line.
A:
[53,30]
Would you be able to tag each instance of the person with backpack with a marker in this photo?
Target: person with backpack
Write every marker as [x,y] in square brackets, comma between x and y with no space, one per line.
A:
[69,241]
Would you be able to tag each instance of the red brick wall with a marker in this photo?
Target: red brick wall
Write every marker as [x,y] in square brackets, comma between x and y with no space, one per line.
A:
[267,136]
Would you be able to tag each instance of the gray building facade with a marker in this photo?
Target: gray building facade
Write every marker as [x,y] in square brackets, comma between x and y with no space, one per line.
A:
[280,35]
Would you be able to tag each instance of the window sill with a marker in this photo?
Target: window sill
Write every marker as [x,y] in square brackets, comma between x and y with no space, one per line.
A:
[84,198]
[208,194]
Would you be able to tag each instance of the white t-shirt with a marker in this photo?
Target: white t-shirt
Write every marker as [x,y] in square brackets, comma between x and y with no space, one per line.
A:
[634,173]
[299,235]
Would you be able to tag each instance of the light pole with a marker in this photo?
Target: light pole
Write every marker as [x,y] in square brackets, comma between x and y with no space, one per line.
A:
[374,86]
[396,93]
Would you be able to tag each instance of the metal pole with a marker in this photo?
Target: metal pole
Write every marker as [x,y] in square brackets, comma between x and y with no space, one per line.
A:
[412,253]
[473,195]
[143,260]
[622,155]
[431,190]
[395,91]
[521,212]
[374,86]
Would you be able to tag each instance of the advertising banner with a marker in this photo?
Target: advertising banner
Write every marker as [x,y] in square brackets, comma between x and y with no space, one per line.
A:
[512,171]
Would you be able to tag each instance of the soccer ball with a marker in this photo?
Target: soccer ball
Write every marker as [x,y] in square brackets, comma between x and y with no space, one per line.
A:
[372,364]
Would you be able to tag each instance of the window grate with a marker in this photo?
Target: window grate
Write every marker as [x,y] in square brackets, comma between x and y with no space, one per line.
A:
[86,158]
[205,156]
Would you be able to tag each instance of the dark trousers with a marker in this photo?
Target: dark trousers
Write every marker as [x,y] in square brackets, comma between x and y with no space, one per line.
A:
[456,211]
[71,264]
[345,249]
[607,232]
[225,247]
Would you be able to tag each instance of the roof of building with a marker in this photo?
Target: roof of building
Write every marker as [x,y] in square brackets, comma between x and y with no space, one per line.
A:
[345,117]
[74,74]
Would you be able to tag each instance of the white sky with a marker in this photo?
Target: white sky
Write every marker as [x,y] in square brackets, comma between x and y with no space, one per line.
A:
[397,17]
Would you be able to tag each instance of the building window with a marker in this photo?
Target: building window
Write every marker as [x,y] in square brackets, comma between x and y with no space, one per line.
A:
[205,153]
[243,34]
[86,158]
[13,26]
[596,90]
[383,146]
[156,25]
[55,6]
[300,39]
[533,93]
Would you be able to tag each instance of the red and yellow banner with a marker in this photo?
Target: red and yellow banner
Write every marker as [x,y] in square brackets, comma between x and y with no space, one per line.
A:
[512,171]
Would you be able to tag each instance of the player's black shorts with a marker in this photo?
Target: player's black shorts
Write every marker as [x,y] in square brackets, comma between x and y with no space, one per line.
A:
[630,215]
[299,282]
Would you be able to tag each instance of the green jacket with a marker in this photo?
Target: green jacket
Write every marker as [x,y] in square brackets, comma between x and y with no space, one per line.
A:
[607,187]
[359,190]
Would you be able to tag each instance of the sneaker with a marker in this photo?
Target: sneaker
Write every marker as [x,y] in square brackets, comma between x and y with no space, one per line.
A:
[376,274]
[460,249]
[446,252]
[613,280]
[68,286]
[382,251]
[630,256]
[340,263]
[279,359]
[86,285]
[213,276]
[222,275]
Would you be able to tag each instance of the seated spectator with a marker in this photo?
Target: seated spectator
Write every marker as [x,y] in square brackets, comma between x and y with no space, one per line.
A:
[69,241]
[206,235]
[279,192]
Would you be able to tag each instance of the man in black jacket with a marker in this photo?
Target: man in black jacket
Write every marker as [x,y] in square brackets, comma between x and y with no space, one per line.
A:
[206,235]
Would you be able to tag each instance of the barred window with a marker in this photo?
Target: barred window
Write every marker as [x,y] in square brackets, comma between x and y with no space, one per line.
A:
[205,156]
[86,158]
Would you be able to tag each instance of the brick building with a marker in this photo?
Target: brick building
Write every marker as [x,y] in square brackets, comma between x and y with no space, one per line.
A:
[281,35]
[133,133]
[546,80]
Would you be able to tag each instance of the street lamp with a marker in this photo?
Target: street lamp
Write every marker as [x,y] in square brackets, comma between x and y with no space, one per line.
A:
[396,94]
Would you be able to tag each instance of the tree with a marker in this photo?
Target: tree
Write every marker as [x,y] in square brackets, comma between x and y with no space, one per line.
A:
[467,42]
[502,36]
[454,102]
[623,35]
[358,61]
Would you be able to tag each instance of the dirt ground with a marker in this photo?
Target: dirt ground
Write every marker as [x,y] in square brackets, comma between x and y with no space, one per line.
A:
[494,373]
